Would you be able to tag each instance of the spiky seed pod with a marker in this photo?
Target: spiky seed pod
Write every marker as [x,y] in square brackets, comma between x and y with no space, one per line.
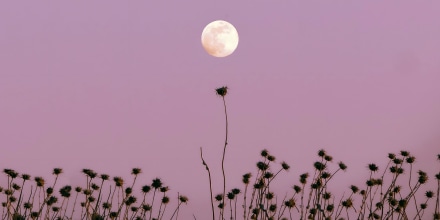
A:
[113,214]
[423,206]
[222,91]
[39,181]
[34,215]
[297,189]
[285,166]
[370,182]
[136,171]
[83,204]
[8,192]
[393,202]
[402,203]
[90,173]
[91,199]
[183,199]
[313,211]
[26,176]
[164,189]
[271,158]
[319,166]
[246,178]
[289,203]
[342,166]
[128,190]
[27,205]
[268,175]
[262,166]
[10,173]
[157,183]
[12,199]
[272,207]
[65,191]
[423,177]
[321,153]
[404,153]
[52,200]
[221,205]
[270,195]
[410,159]
[396,189]
[256,211]
[146,207]
[327,195]
[303,178]
[379,205]
[131,200]
[391,156]
[378,182]
[429,194]
[78,189]
[95,186]
[230,195]
[4,204]
[397,161]
[325,175]
[104,176]
[55,209]
[437,176]
[347,203]
[57,171]
[328,158]
[373,167]
[134,209]
[87,192]
[49,190]
[362,192]
[1,189]
[219,197]
[146,189]
[16,186]
[354,188]
[236,191]
[118,181]
[106,205]
[330,207]
[264,153]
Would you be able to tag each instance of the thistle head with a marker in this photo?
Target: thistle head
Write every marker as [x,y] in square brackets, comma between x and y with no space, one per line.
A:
[183,199]
[118,181]
[136,171]
[25,176]
[285,166]
[222,91]
[39,180]
[342,166]
[157,183]
[104,176]
[146,189]
[57,171]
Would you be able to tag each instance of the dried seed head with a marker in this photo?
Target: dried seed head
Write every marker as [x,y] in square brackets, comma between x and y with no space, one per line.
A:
[57,171]
[183,199]
[136,171]
[285,166]
[222,91]
[404,153]
[342,166]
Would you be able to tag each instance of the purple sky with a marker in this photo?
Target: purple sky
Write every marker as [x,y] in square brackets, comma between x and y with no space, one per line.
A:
[111,85]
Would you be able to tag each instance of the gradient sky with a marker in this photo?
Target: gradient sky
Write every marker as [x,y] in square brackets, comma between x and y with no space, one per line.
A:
[112,85]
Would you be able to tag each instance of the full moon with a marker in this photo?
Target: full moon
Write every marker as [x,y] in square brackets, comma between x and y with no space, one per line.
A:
[220,38]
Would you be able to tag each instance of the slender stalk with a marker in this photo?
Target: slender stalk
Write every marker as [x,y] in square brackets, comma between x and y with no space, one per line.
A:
[210,183]
[223,158]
